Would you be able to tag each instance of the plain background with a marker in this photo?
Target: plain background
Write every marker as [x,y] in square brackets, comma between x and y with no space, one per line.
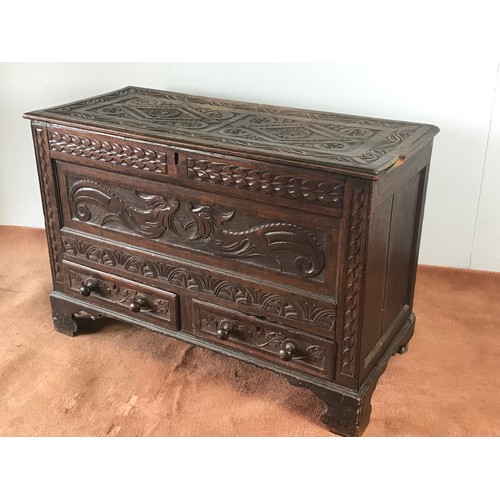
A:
[462,216]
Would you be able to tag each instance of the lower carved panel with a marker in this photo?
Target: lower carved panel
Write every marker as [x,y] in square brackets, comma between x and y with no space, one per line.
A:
[298,310]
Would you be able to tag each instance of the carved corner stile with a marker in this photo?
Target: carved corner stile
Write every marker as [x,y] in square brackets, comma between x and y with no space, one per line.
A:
[353,281]
[50,205]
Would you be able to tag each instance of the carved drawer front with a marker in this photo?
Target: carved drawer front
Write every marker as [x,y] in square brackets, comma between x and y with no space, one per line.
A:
[123,296]
[281,345]
[271,183]
[240,236]
[111,153]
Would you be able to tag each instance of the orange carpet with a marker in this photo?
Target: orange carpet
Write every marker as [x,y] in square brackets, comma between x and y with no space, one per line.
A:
[125,381]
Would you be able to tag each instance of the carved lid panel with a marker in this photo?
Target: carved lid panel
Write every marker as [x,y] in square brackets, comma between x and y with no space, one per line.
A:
[321,140]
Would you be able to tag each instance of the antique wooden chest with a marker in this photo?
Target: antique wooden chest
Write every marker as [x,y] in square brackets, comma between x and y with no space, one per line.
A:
[285,238]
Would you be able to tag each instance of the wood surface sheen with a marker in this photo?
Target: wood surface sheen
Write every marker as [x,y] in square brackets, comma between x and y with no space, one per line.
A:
[282,237]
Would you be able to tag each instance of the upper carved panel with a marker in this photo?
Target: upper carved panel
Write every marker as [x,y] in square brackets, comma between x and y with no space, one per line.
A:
[274,244]
[250,129]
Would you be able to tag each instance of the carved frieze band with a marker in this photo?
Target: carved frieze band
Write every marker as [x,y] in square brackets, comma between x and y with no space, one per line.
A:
[106,151]
[353,282]
[51,221]
[291,309]
[298,188]
[262,338]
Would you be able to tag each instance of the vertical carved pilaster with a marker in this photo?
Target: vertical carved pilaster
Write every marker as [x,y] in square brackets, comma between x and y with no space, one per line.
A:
[49,202]
[353,283]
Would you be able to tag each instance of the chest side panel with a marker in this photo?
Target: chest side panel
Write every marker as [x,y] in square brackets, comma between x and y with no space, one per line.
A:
[392,253]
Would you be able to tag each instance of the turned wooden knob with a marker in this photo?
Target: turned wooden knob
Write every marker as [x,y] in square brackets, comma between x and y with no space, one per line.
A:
[138,304]
[288,349]
[89,286]
[224,331]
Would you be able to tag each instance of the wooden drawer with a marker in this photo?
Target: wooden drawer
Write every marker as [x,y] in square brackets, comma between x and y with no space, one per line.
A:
[281,345]
[260,241]
[123,296]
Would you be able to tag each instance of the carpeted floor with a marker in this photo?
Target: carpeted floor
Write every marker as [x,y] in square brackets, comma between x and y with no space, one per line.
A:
[125,381]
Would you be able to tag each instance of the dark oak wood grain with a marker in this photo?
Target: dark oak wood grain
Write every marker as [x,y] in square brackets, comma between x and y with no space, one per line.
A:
[285,238]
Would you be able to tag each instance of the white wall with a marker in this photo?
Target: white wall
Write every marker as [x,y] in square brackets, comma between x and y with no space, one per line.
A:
[462,218]
[486,250]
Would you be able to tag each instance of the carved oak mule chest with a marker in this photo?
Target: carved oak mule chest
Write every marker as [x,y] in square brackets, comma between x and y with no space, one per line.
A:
[285,238]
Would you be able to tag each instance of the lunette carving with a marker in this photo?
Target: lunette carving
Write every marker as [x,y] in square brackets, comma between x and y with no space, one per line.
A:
[324,193]
[119,294]
[264,338]
[107,151]
[352,299]
[50,209]
[289,248]
[299,310]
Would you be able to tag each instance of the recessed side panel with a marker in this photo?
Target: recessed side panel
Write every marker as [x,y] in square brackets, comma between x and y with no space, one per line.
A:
[395,225]
[375,276]
[402,238]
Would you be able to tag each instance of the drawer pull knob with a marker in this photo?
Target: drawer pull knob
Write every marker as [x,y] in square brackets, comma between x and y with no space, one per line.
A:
[138,304]
[223,332]
[89,286]
[288,349]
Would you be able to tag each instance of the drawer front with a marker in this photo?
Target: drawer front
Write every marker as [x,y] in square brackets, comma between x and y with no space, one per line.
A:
[257,240]
[283,346]
[123,296]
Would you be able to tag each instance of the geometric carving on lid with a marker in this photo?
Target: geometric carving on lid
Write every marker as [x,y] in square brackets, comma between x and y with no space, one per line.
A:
[252,130]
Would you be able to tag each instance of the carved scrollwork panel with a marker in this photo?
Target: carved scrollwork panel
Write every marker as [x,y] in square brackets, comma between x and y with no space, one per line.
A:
[280,246]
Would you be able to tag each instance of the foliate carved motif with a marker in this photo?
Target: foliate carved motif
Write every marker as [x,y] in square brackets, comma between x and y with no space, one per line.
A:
[353,282]
[106,151]
[261,337]
[50,209]
[112,292]
[320,192]
[299,310]
[289,248]
[333,138]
